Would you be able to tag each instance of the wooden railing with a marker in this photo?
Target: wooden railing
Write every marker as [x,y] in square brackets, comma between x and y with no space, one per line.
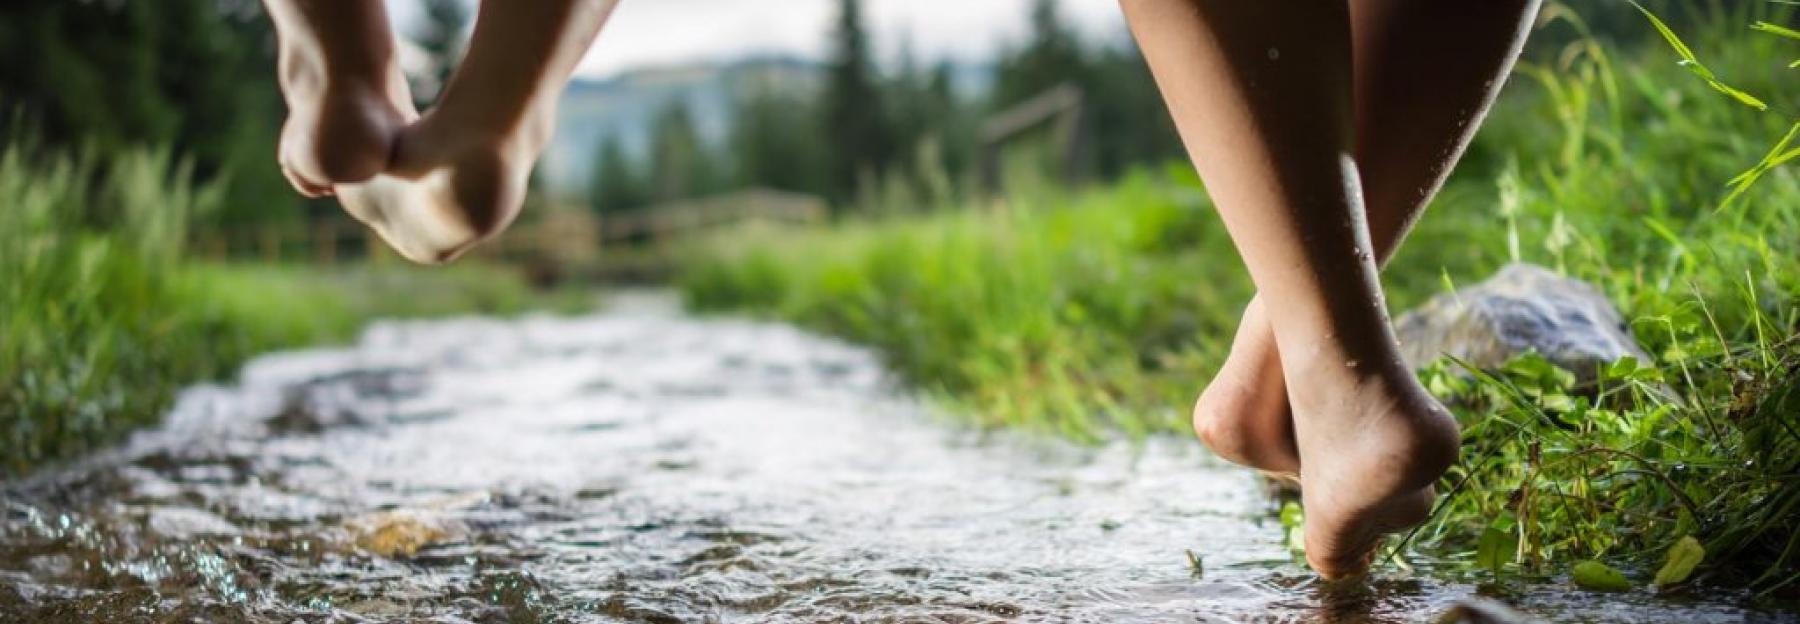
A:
[555,235]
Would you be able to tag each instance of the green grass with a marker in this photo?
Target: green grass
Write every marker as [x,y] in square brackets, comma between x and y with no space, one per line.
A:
[103,318]
[1090,313]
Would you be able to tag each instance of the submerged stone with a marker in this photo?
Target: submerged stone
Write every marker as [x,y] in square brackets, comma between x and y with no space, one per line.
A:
[401,534]
[1522,308]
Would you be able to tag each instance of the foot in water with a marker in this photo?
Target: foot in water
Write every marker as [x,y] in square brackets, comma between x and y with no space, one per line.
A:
[450,185]
[1372,443]
[1374,440]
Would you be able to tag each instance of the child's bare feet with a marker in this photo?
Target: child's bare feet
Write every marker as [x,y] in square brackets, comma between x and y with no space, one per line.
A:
[1374,442]
[1377,441]
[458,176]
[1243,415]
[347,99]
[450,185]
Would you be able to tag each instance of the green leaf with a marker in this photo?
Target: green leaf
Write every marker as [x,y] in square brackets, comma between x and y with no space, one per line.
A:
[1496,548]
[1597,576]
[1623,368]
[1777,155]
[1738,94]
[1776,29]
[1694,65]
[1668,35]
[1294,522]
[1291,515]
[1683,557]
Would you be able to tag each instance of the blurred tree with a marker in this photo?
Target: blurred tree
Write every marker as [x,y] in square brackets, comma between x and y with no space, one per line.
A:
[441,36]
[1126,122]
[951,147]
[774,144]
[196,75]
[854,115]
[680,165]
[933,134]
[1053,55]
[618,186]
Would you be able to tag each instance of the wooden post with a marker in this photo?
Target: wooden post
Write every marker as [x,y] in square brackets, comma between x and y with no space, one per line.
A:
[271,244]
[325,242]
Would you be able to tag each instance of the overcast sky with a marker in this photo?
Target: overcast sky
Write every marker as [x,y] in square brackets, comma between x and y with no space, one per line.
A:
[665,32]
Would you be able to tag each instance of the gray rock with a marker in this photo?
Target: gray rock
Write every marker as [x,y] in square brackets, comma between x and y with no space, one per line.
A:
[1523,307]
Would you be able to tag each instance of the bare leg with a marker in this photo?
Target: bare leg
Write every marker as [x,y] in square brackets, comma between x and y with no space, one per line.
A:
[459,174]
[1426,73]
[1261,93]
[347,100]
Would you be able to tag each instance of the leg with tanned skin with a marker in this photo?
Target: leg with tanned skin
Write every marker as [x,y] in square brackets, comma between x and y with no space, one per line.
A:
[458,175]
[1261,92]
[347,100]
[1426,73]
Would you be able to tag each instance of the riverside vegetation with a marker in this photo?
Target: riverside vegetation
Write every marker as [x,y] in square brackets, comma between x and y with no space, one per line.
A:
[103,317]
[1096,311]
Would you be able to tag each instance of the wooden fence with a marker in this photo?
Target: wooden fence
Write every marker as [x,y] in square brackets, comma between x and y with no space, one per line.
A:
[557,236]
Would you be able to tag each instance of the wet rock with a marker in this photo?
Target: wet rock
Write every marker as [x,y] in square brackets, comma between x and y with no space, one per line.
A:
[401,534]
[1522,308]
[1483,611]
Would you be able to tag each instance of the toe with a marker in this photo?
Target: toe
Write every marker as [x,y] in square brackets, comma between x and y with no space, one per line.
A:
[304,186]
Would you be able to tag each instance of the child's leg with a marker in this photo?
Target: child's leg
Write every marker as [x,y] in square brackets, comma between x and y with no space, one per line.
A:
[1261,92]
[1426,73]
[347,100]
[459,174]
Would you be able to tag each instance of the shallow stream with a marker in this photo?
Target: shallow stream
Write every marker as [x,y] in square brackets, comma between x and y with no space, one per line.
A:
[643,466]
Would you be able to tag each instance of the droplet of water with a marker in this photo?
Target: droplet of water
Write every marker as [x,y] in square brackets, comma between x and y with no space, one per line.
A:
[1274,54]
[1362,255]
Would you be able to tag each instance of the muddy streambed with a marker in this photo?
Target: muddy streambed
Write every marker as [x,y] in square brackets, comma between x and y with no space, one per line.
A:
[642,466]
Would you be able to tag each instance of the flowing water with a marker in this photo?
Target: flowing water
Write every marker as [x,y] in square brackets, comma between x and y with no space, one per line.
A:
[641,466]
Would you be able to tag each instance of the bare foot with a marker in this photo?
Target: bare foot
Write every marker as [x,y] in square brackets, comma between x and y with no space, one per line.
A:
[1243,415]
[449,186]
[1373,442]
[341,127]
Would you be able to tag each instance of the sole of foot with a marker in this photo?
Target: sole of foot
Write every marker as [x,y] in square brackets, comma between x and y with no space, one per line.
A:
[1372,443]
[447,189]
[1243,415]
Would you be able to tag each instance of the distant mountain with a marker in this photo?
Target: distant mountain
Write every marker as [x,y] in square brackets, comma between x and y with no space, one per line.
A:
[625,106]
